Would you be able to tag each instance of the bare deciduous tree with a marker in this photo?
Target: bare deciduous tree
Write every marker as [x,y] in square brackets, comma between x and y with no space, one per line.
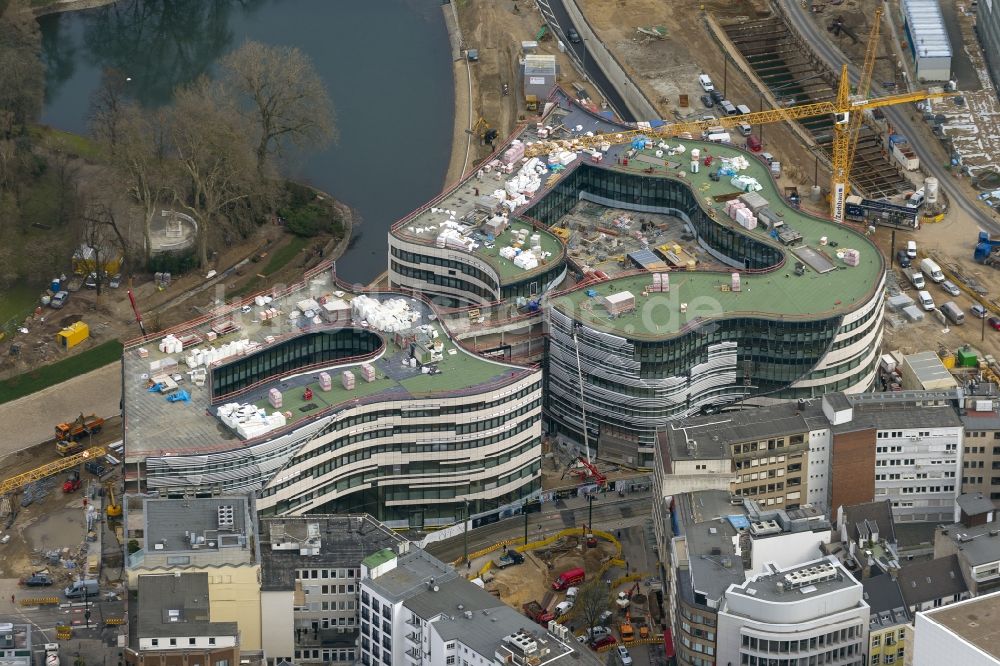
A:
[280,90]
[104,238]
[139,160]
[591,601]
[106,107]
[209,143]
[21,72]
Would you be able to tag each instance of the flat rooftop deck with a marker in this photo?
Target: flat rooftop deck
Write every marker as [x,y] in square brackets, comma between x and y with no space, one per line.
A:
[156,427]
[426,227]
[777,293]
[427,223]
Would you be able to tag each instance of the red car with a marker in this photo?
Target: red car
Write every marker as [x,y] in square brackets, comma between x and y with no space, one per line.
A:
[994,322]
[603,642]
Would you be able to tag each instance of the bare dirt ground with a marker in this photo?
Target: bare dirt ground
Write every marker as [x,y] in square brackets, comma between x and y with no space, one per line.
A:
[532,580]
[496,30]
[667,68]
[57,521]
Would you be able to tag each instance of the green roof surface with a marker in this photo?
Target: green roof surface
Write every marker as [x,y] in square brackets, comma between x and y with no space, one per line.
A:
[458,370]
[379,558]
[506,269]
[776,293]
[424,228]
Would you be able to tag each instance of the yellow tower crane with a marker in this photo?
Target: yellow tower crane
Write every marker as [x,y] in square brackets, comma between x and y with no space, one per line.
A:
[61,465]
[845,111]
[847,129]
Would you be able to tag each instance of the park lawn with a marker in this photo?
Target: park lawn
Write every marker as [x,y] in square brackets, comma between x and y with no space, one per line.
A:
[66,142]
[55,373]
[285,254]
[16,303]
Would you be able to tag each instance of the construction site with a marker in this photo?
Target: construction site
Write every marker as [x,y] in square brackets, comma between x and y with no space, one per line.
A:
[60,523]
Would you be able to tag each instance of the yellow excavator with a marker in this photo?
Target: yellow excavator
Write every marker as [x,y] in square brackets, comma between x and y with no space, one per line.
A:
[113,507]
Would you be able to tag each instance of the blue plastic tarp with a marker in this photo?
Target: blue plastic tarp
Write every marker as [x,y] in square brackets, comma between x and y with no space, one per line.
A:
[179,396]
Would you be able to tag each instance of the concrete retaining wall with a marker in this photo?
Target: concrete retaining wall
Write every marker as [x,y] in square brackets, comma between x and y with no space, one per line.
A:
[637,103]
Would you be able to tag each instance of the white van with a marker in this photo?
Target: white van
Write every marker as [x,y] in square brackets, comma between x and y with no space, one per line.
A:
[743,109]
[926,302]
[930,268]
[82,588]
[563,607]
[744,129]
[911,249]
[728,107]
[915,277]
[916,199]
[719,137]
[706,83]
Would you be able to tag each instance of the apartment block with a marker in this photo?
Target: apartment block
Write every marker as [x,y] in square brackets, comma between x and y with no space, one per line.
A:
[172,624]
[974,540]
[888,622]
[813,612]
[838,450]
[980,414]
[310,575]
[966,633]
[216,536]
[710,540]
[418,611]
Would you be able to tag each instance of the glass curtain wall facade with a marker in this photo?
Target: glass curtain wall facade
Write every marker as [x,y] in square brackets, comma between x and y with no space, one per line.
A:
[291,355]
[633,384]
[664,195]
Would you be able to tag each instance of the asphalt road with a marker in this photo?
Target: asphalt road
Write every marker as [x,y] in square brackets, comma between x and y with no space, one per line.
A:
[555,12]
[610,513]
[801,22]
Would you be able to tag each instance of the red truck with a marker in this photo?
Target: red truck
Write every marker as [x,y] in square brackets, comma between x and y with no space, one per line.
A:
[569,578]
[537,612]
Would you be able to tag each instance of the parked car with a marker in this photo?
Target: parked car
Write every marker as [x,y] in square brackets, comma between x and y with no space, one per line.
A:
[573,36]
[605,617]
[624,656]
[602,642]
[706,83]
[598,632]
[37,580]
[59,300]
[717,96]
[903,259]
[978,310]
[994,323]
[951,288]
[707,101]
[563,607]
[115,281]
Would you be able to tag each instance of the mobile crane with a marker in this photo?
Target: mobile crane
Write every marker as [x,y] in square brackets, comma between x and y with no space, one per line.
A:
[847,112]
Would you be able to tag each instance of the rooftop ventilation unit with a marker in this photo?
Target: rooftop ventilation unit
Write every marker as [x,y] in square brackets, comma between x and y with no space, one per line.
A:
[765,527]
[811,575]
[227,517]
